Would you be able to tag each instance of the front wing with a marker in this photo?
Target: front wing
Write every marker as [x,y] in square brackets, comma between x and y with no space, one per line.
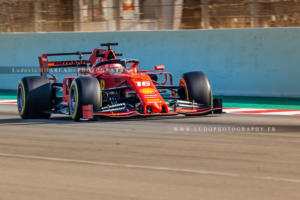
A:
[88,113]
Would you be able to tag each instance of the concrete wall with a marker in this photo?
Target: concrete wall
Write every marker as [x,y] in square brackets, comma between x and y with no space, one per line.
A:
[256,62]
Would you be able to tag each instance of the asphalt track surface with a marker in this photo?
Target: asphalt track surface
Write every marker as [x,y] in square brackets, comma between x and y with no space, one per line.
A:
[227,156]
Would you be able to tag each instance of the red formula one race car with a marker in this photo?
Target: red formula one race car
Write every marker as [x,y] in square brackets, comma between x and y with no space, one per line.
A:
[113,87]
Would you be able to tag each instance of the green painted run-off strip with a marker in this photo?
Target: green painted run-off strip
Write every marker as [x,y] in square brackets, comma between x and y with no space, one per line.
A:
[228,101]
[261,102]
[8,94]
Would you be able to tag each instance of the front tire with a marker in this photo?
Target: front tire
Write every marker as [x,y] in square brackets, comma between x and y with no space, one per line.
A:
[34,97]
[84,91]
[196,87]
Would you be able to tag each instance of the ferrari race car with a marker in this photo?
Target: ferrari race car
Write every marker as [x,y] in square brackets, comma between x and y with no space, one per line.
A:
[112,87]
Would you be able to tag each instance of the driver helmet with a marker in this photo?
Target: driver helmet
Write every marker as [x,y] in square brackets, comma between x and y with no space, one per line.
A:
[115,68]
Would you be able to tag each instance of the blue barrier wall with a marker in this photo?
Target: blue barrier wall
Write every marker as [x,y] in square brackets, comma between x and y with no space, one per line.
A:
[256,62]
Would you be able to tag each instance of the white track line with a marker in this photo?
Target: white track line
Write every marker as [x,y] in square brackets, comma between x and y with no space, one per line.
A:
[296,112]
[8,101]
[193,171]
[232,110]
[276,111]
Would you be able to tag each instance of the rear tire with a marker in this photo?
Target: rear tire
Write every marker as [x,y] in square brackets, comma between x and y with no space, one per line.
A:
[84,91]
[34,97]
[196,87]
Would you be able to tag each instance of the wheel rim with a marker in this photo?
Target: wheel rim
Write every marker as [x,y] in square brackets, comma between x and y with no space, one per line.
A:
[20,99]
[73,100]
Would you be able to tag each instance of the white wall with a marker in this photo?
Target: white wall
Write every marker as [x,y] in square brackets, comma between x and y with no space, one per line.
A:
[260,62]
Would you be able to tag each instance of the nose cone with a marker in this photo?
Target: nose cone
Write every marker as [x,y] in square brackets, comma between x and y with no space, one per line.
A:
[156,107]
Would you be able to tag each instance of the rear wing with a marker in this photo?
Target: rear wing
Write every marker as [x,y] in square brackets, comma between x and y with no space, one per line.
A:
[45,65]
[104,54]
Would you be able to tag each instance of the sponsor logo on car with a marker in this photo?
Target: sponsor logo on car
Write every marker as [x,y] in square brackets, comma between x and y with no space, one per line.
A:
[153,100]
[147,91]
[102,84]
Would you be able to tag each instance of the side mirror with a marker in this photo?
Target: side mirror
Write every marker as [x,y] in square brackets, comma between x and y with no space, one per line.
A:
[159,67]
